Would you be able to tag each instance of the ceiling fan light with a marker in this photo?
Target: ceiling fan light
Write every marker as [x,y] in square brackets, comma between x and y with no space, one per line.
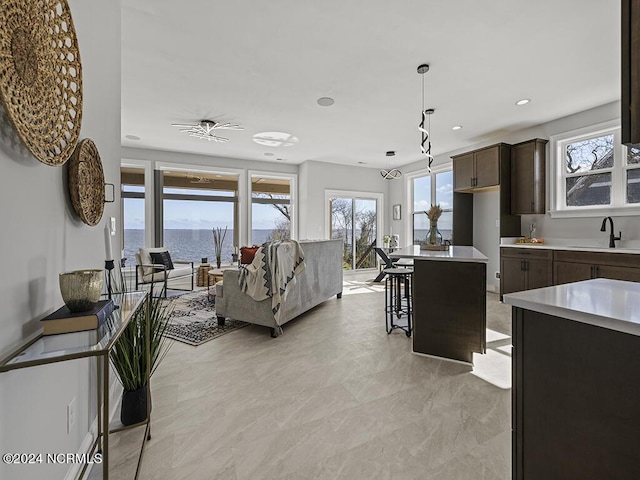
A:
[205,129]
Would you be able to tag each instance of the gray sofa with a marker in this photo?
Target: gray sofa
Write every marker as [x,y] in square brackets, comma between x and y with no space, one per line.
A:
[320,280]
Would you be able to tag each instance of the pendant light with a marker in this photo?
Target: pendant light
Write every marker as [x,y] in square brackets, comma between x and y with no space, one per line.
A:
[392,173]
[425,141]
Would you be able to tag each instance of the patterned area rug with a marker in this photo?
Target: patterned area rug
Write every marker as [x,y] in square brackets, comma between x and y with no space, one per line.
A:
[194,321]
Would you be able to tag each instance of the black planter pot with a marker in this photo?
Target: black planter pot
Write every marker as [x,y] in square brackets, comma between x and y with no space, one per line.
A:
[134,406]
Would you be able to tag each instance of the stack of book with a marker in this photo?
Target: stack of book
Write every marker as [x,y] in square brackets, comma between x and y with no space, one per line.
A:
[64,320]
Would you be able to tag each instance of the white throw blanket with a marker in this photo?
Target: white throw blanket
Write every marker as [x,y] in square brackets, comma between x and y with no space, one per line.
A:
[274,268]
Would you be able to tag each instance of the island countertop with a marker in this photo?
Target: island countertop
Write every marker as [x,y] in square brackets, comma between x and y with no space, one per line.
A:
[611,304]
[454,254]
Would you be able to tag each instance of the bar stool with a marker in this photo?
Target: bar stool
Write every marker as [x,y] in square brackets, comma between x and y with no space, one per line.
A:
[397,304]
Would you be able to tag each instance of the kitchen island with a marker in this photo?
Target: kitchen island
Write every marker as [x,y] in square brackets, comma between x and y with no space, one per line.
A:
[449,301]
[575,390]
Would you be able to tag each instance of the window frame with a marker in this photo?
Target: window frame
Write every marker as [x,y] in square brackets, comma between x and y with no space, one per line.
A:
[558,174]
[293,199]
[146,166]
[409,181]
[158,212]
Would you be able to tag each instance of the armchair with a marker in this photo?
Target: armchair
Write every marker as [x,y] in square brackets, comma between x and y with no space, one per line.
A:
[154,265]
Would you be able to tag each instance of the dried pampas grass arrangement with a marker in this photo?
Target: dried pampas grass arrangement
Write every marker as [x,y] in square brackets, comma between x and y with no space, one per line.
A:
[434,212]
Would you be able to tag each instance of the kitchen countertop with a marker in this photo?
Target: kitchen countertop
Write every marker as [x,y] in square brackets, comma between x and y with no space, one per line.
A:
[454,254]
[611,304]
[574,245]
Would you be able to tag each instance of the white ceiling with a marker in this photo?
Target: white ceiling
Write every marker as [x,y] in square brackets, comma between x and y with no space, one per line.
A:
[265,64]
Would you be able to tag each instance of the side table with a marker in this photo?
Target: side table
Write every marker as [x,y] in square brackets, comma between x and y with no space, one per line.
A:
[201,277]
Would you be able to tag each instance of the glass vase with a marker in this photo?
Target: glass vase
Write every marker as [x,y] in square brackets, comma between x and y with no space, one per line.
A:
[434,237]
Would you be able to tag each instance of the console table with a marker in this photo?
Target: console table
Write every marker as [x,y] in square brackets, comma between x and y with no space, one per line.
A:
[42,350]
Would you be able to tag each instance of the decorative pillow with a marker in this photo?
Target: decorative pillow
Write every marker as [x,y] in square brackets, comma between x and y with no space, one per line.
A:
[247,254]
[161,258]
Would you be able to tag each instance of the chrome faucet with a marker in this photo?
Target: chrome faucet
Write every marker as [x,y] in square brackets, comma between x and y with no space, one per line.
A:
[612,237]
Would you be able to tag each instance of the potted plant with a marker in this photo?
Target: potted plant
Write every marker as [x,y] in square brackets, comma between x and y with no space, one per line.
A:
[129,358]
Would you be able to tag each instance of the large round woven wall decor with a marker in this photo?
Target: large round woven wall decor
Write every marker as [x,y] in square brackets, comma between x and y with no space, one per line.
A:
[86,182]
[41,76]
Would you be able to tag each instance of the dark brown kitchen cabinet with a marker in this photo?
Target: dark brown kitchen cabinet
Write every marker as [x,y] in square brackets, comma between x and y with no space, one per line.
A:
[574,266]
[630,64]
[574,399]
[528,177]
[568,272]
[463,172]
[477,171]
[480,168]
[525,269]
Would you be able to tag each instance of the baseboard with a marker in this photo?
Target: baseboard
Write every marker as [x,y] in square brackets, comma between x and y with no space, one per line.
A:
[115,392]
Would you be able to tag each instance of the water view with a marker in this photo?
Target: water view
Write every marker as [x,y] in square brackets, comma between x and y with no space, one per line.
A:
[188,245]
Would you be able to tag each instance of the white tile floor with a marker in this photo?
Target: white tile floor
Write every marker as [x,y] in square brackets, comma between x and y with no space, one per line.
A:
[335,397]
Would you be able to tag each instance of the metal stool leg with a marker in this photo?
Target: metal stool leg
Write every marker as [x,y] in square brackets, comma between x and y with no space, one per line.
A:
[398,303]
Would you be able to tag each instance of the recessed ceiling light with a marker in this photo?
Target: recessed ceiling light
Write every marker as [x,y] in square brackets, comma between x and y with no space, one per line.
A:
[269,154]
[390,153]
[457,127]
[524,101]
[280,159]
[326,101]
[362,163]
[132,137]
[275,139]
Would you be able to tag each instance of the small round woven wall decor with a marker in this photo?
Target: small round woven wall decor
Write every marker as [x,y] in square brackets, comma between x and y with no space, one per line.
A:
[41,76]
[86,182]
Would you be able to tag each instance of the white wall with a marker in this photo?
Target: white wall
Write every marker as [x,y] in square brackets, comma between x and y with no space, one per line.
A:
[486,235]
[41,238]
[316,177]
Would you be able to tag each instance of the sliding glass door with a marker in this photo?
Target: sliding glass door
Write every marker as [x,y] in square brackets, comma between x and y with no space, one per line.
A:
[355,221]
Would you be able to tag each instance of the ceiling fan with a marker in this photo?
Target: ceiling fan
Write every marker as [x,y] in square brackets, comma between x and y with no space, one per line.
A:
[197,179]
[205,129]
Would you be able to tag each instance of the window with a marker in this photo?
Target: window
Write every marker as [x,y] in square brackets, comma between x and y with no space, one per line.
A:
[594,173]
[133,211]
[354,219]
[271,208]
[193,204]
[432,189]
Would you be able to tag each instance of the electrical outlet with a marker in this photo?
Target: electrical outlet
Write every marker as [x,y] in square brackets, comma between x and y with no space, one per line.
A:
[71,415]
[497,274]
[498,223]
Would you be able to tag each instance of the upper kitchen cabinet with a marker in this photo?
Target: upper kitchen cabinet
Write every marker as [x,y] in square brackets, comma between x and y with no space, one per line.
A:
[480,168]
[630,72]
[528,177]
[487,168]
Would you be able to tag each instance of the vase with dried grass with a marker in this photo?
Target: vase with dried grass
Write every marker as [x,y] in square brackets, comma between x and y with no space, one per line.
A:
[219,235]
[434,237]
